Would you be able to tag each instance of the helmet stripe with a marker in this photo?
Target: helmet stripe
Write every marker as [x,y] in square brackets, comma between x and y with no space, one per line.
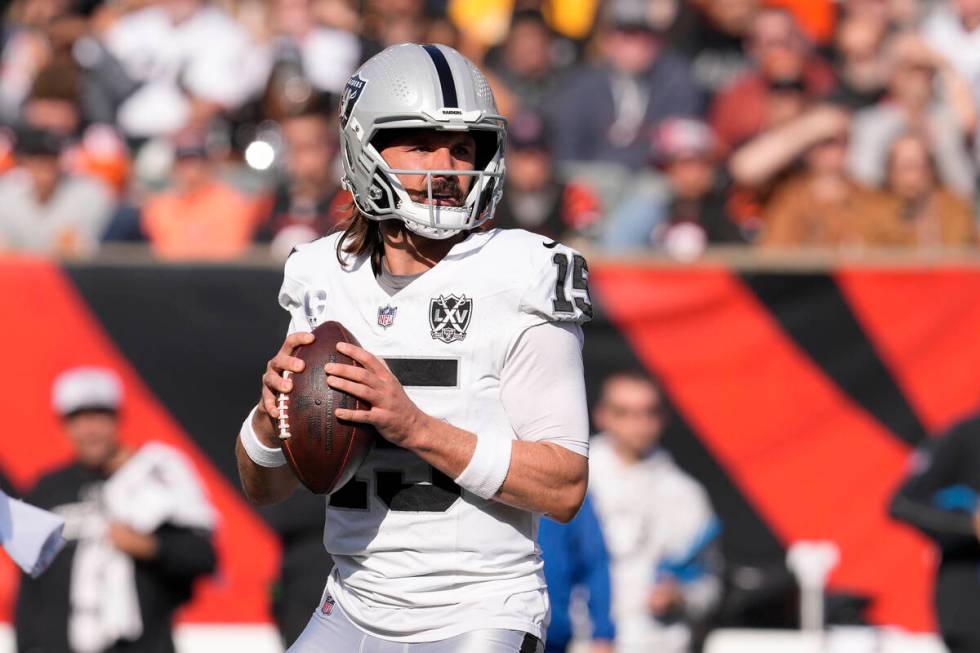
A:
[446,80]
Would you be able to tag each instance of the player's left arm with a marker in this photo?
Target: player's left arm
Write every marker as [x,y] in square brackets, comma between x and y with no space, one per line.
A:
[547,476]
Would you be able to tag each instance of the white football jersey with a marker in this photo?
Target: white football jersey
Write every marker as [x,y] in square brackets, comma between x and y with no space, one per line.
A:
[417,557]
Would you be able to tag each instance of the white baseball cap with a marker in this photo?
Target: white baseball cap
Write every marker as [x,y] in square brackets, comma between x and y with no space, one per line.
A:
[81,388]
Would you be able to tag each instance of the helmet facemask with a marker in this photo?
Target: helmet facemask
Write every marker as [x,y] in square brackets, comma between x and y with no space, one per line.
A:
[388,198]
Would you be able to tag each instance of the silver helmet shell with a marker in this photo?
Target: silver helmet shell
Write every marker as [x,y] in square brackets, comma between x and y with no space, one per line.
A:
[412,86]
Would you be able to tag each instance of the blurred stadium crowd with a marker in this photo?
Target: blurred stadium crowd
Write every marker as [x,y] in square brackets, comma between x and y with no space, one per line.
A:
[205,128]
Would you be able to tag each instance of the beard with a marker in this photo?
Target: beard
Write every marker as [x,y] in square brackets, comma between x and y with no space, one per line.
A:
[446,191]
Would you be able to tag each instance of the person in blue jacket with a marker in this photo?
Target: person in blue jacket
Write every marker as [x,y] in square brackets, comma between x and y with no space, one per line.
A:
[575,555]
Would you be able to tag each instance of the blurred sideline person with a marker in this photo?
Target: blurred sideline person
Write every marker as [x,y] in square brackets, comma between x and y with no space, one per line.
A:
[138,526]
[492,430]
[939,498]
[660,528]
[575,558]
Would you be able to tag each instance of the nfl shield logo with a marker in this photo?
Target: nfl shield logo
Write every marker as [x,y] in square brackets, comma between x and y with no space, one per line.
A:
[449,317]
[386,315]
[328,603]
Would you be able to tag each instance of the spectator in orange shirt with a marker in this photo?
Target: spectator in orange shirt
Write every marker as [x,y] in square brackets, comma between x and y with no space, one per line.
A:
[199,217]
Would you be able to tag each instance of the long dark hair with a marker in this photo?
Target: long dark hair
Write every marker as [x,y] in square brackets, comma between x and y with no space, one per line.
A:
[361,235]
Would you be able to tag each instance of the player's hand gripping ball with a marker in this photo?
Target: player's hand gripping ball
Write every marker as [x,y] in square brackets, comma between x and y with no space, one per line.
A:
[323,451]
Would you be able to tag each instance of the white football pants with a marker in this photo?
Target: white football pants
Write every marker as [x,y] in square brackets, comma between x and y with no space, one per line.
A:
[334,633]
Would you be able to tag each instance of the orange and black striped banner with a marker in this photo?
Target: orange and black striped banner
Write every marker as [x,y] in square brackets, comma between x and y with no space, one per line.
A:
[796,398]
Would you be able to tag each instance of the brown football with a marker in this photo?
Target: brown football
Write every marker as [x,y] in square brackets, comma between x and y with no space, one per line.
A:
[323,451]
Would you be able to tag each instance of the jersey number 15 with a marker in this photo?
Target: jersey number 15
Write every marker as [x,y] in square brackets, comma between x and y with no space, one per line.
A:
[437,493]
[580,285]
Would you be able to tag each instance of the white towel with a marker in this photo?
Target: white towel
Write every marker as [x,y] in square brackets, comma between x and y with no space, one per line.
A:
[104,603]
[30,535]
[156,486]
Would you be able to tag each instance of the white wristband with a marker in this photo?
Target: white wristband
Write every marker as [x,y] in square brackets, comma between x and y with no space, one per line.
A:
[488,467]
[260,454]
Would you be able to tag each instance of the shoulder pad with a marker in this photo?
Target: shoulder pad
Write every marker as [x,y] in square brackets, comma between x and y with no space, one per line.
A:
[300,267]
[558,287]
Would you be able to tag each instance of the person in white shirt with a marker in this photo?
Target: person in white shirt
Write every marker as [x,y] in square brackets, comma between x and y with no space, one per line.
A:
[191,60]
[660,529]
[953,30]
[290,29]
[484,426]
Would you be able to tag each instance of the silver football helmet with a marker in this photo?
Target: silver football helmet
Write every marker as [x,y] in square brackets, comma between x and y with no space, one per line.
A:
[413,86]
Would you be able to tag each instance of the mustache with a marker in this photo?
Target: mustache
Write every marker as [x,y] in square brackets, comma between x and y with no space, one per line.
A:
[446,189]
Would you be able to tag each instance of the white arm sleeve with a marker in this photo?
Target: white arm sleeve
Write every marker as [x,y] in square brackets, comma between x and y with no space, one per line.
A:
[542,386]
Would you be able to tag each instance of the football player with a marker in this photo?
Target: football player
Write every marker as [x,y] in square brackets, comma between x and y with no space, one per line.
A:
[471,364]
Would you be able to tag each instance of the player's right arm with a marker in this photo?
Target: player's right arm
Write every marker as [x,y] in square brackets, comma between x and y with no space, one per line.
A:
[268,485]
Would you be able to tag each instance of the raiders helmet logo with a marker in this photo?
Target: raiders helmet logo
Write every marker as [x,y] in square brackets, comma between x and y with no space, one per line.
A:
[449,317]
[353,90]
